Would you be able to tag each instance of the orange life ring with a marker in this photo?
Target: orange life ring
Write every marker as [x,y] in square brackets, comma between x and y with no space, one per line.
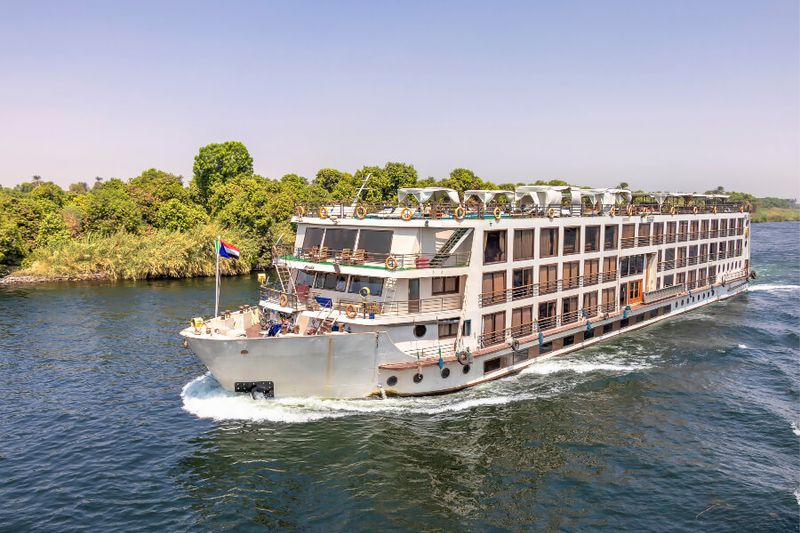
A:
[283,300]
[350,311]
[300,211]
[551,213]
[497,213]
[715,210]
[613,211]
[361,212]
[631,209]
[741,209]
[323,212]
[673,210]
[695,210]
[391,263]
[406,214]
[459,213]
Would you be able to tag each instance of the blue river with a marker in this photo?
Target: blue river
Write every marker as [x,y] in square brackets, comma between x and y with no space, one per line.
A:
[693,424]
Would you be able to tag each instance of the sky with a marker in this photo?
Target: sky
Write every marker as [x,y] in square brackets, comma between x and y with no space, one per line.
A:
[679,95]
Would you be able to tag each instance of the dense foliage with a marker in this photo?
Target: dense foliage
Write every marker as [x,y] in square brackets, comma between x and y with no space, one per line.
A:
[154,226]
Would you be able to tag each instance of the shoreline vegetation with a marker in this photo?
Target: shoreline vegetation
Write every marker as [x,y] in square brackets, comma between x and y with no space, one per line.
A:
[152,226]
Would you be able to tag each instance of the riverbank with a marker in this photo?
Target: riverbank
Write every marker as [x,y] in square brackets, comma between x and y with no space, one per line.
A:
[775,214]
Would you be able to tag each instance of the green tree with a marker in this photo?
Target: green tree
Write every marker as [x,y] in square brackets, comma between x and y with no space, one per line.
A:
[80,187]
[462,179]
[175,215]
[47,190]
[111,208]
[52,231]
[152,188]
[329,178]
[12,246]
[218,163]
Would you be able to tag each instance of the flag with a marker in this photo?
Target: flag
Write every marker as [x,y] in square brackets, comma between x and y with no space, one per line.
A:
[227,250]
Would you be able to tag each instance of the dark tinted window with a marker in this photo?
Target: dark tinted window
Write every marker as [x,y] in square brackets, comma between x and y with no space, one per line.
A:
[313,237]
[339,239]
[375,241]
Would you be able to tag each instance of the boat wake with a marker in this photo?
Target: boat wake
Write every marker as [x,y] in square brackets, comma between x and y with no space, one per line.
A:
[771,287]
[205,398]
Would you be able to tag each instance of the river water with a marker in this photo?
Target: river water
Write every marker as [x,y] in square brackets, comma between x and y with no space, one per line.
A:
[690,424]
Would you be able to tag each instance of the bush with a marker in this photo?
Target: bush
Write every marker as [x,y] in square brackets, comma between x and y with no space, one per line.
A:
[179,216]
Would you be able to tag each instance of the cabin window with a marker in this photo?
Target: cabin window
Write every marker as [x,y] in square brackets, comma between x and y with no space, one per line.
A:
[572,240]
[695,230]
[569,340]
[304,278]
[494,287]
[608,299]
[671,231]
[466,330]
[375,285]
[592,239]
[624,323]
[337,239]
[591,271]
[445,285]
[548,279]
[644,234]
[609,267]
[545,348]
[375,241]
[610,238]
[571,275]
[658,231]
[608,328]
[628,235]
[588,334]
[547,315]
[522,321]
[631,265]
[494,328]
[522,282]
[669,281]
[569,310]
[448,328]
[548,245]
[590,304]
[494,246]
[313,237]
[331,281]
[523,244]
[491,365]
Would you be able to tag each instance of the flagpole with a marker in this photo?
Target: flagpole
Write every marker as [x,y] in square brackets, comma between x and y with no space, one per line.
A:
[216,279]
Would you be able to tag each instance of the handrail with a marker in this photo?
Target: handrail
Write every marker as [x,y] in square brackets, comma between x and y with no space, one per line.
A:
[385,261]
[549,287]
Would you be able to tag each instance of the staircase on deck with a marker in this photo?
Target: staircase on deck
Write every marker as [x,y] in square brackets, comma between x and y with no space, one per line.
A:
[455,240]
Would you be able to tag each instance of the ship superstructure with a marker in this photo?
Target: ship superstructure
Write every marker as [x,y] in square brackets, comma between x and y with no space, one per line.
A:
[443,291]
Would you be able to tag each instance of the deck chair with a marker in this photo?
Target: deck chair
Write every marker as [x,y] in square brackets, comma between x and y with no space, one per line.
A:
[345,256]
[323,253]
[359,257]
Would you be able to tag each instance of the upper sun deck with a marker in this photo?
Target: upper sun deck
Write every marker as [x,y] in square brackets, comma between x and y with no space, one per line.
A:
[434,203]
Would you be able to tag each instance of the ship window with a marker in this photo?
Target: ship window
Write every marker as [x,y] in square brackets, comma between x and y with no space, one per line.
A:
[523,244]
[624,323]
[572,240]
[331,281]
[375,285]
[304,278]
[592,239]
[569,341]
[610,238]
[445,285]
[340,238]
[420,330]
[466,330]
[608,328]
[632,265]
[375,241]
[546,347]
[313,237]
[522,282]
[494,246]
[588,334]
[548,247]
[669,281]
[491,365]
[448,328]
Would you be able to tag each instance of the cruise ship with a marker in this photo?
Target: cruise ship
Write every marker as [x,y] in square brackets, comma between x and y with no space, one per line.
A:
[445,291]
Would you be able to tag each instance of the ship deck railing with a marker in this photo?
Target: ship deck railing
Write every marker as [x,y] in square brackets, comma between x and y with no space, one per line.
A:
[307,300]
[507,210]
[376,260]
[533,290]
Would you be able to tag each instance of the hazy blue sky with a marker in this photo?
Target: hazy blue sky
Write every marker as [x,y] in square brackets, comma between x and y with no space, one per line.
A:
[662,94]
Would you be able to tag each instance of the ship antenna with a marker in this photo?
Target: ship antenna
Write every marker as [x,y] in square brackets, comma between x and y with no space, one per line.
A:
[358,194]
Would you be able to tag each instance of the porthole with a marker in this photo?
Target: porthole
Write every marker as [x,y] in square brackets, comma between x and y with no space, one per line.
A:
[244,352]
[392,381]
[465,369]
[417,377]
[445,373]
[420,330]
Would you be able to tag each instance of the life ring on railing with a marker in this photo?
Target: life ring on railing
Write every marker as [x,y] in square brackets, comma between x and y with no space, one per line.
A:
[391,263]
[406,214]
[515,345]
[613,211]
[673,210]
[551,213]
[283,300]
[695,210]
[631,209]
[459,213]
[497,213]
[350,311]
[300,211]
[361,212]
[741,209]
[714,210]
[323,212]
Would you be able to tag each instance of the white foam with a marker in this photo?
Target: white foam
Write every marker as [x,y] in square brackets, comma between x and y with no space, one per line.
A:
[797,495]
[795,429]
[741,346]
[771,287]
[580,367]
[205,398]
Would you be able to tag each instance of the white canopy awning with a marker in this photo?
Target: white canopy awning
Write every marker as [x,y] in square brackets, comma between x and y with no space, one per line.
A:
[487,196]
[661,196]
[539,195]
[423,194]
